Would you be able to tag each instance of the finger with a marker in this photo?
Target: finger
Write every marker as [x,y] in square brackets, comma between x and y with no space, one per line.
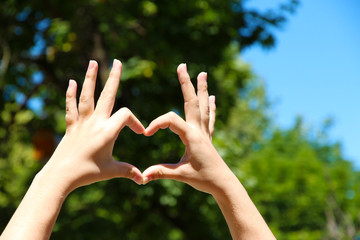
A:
[126,170]
[191,103]
[172,121]
[164,171]
[203,97]
[124,117]
[86,101]
[106,101]
[71,107]
[212,115]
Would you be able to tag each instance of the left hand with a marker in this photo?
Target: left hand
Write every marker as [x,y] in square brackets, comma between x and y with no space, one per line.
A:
[201,166]
[84,155]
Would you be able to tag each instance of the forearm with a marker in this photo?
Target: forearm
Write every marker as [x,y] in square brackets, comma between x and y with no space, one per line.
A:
[38,211]
[242,217]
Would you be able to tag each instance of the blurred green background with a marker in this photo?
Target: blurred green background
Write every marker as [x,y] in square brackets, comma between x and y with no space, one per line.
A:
[299,180]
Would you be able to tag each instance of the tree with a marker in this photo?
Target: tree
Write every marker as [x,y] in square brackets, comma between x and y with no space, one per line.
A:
[301,184]
[43,44]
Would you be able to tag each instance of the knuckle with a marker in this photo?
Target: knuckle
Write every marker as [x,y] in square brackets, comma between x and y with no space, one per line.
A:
[184,78]
[159,173]
[69,119]
[125,111]
[207,111]
[89,74]
[171,118]
[84,99]
[130,173]
[213,107]
[113,74]
[67,103]
[172,115]
[203,86]
[196,103]
[193,102]
[69,94]
[126,115]
[106,95]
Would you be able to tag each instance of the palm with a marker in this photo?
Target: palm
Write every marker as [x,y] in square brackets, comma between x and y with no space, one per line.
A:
[200,160]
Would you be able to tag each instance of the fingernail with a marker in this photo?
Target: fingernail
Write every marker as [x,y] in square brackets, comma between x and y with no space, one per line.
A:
[204,73]
[146,180]
[182,64]
[72,83]
[138,180]
[116,63]
[185,66]
[92,64]
[146,132]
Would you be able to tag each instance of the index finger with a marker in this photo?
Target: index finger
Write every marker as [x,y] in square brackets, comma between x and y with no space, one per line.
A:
[86,100]
[124,117]
[191,102]
[106,101]
[169,120]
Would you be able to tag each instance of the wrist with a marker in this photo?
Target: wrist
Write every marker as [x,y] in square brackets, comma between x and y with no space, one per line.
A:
[38,211]
[241,214]
[51,180]
[226,185]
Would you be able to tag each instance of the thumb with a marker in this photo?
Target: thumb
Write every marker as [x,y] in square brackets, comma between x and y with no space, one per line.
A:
[164,171]
[125,170]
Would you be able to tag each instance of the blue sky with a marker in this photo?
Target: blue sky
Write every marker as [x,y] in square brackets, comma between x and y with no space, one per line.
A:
[314,70]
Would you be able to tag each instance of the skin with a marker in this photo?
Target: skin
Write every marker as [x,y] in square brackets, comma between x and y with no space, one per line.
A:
[201,166]
[84,156]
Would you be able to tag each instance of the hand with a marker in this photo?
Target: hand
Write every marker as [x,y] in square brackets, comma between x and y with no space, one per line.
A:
[84,155]
[200,166]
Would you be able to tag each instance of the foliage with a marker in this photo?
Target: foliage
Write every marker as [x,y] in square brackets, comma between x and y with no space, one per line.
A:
[302,192]
[302,185]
